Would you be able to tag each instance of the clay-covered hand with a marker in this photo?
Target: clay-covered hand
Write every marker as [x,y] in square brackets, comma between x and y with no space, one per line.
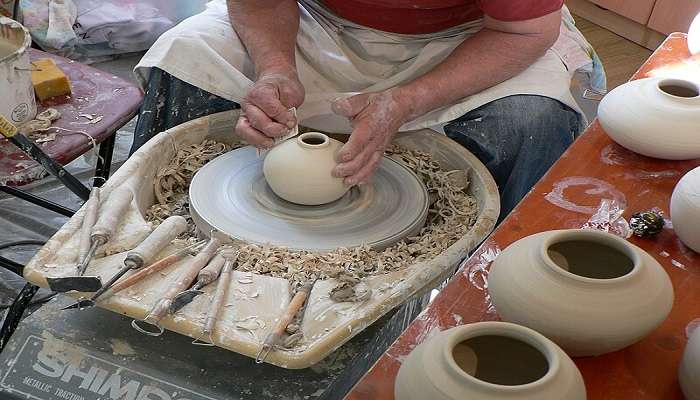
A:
[265,109]
[375,119]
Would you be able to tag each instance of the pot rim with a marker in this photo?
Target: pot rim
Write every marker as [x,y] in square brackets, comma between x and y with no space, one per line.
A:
[599,237]
[687,83]
[26,44]
[318,135]
[506,329]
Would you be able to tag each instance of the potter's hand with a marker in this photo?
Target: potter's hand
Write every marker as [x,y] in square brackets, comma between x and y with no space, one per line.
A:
[375,118]
[266,107]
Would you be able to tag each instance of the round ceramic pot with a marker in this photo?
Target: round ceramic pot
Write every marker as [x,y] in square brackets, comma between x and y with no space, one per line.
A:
[685,209]
[488,361]
[300,170]
[655,117]
[689,371]
[590,292]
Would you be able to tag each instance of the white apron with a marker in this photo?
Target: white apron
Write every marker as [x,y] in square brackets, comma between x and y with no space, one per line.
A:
[336,57]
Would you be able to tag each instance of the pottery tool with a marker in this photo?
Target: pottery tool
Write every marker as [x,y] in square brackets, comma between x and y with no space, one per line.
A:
[157,266]
[171,228]
[91,206]
[274,338]
[396,196]
[230,256]
[110,213]
[184,280]
[292,132]
[206,276]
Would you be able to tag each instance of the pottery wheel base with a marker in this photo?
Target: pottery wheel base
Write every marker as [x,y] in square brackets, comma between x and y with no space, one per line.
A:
[230,194]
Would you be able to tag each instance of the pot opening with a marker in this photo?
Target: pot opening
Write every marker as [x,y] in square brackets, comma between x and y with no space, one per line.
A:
[679,88]
[314,139]
[590,259]
[500,360]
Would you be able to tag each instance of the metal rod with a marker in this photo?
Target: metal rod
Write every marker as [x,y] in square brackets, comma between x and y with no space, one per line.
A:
[13,266]
[54,168]
[85,261]
[104,160]
[39,201]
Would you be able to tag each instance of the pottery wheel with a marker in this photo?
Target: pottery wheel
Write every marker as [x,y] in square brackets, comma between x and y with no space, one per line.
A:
[230,194]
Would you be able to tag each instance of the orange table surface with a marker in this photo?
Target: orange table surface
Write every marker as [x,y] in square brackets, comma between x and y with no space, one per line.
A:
[593,168]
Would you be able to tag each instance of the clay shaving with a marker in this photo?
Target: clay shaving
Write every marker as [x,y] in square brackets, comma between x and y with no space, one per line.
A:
[451,215]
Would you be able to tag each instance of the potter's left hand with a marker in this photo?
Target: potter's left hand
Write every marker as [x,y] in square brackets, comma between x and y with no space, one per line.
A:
[375,118]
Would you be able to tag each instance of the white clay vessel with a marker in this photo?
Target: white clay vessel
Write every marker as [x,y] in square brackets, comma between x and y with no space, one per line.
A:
[299,170]
[489,361]
[685,209]
[590,292]
[689,370]
[655,117]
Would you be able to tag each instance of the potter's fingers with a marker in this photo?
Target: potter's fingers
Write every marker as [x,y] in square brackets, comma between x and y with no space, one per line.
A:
[361,136]
[350,106]
[353,166]
[365,173]
[260,121]
[267,98]
[251,135]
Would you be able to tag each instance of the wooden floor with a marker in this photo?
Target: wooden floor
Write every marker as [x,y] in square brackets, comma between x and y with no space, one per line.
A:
[620,57]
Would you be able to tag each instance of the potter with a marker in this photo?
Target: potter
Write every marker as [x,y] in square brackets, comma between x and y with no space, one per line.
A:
[574,285]
[299,170]
[495,76]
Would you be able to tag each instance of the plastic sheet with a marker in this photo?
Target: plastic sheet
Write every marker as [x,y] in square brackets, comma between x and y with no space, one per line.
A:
[608,218]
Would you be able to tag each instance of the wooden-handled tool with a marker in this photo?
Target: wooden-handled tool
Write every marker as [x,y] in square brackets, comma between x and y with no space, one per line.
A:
[206,276]
[89,220]
[275,336]
[110,213]
[230,256]
[155,267]
[144,252]
[183,281]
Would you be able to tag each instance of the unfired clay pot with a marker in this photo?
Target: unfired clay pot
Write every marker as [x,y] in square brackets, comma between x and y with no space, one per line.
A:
[689,371]
[685,209]
[299,170]
[655,117]
[590,292]
[489,361]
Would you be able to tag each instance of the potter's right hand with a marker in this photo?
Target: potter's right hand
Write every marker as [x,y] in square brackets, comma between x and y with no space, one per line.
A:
[265,109]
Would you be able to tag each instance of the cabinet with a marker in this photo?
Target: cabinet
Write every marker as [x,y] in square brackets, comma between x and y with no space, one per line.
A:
[646,22]
[673,15]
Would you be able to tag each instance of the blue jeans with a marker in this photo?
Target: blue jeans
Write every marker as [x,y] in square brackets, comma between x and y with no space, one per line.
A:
[518,137]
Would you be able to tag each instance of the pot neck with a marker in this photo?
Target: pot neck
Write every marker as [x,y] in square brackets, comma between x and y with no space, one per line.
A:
[541,254]
[679,91]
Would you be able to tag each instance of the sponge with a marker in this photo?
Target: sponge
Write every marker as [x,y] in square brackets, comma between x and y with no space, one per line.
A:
[48,80]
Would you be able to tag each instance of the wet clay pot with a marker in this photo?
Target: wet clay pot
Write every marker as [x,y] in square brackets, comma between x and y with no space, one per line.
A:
[590,292]
[685,209]
[299,170]
[689,371]
[655,117]
[489,361]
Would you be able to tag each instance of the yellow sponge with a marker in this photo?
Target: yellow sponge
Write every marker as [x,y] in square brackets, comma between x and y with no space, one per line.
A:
[49,80]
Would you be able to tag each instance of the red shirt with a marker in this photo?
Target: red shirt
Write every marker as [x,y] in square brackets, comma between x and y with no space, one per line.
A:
[428,16]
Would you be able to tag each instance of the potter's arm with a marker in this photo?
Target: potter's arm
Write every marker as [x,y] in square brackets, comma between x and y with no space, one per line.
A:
[268,29]
[497,53]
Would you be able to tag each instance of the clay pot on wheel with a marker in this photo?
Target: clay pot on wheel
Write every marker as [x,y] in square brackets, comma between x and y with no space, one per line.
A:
[299,170]
[489,361]
[685,209]
[655,117]
[590,292]
[689,371]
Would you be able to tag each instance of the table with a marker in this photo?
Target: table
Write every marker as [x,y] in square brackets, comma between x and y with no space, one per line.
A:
[593,168]
[95,93]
